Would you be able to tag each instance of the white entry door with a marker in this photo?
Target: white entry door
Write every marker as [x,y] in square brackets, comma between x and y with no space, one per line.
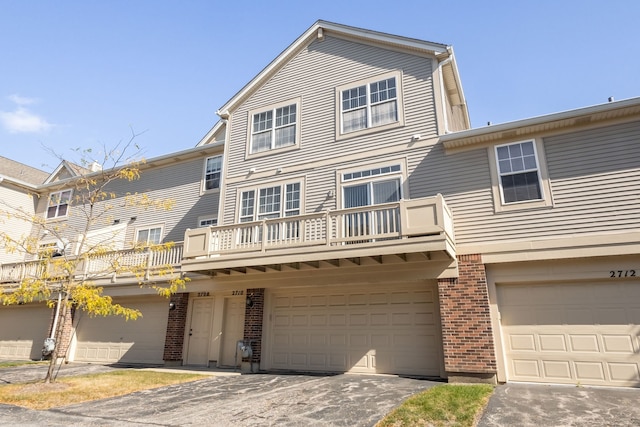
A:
[200,332]
[233,329]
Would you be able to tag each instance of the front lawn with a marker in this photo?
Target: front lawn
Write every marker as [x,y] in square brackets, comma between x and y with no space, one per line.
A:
[457,405]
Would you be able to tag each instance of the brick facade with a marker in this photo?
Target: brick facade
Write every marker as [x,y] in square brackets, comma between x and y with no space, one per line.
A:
[65,323]
[253,323]
[174,339]
[467,335]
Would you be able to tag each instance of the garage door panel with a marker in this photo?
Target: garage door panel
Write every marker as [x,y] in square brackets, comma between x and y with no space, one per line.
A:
[29,327]
[364,330]
[112,339]
[580,338]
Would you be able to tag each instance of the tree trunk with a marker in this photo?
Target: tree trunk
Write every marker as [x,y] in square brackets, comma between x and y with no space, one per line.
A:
[58,335]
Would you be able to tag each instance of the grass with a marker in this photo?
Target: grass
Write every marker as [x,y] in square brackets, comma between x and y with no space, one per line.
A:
[443,405]
[13,364]
[83,388]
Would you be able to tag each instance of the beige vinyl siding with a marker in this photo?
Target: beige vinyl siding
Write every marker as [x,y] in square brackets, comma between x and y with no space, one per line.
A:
[180,182]
[594,176]
[313,75]
[12,198]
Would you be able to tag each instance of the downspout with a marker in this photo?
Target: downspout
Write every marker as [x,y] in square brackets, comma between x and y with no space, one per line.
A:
[442,94]
[55,319]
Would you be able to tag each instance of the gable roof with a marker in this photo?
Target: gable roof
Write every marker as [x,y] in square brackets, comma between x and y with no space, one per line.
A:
[66,170]
[318,30]
[21,172]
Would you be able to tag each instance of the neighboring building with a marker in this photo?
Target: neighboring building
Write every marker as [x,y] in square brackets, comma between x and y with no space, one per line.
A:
[329,241]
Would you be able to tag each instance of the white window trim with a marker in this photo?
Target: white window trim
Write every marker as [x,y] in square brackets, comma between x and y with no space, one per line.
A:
[258,187]
[53,218]
[203,188]
[401,174]
[545,188]
[148,227]
[295,101]
[399,100]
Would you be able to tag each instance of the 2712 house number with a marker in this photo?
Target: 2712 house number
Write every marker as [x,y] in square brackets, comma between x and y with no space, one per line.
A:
[622,273]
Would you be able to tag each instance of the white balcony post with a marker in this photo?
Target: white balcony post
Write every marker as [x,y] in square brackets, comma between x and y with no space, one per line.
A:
[147,273]
[264,236]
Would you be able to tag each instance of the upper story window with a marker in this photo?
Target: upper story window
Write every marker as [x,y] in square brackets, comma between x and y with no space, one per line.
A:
[206,222]
[369,104]
[212,173]
[518,170]
[270,202]
[519,176]
[59,204]
[372,186]
[274,128]
[149,235]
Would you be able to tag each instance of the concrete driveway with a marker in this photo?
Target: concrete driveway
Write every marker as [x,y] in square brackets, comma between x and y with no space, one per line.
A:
[556,405]
[228,400]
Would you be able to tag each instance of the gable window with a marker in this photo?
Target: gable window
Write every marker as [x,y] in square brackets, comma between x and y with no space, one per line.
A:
[206,222]
[370,104]
[274,128]
[212,173]
[149,236]
[519,172]
[59,204]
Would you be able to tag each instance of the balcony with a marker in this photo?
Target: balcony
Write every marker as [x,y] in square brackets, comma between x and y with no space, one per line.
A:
[146,264]
[421,228]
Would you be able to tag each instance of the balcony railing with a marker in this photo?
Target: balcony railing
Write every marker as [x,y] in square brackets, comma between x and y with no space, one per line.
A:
[334,230]
[147,262]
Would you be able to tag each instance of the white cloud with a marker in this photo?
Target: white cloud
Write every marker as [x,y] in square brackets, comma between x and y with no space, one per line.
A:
[21,100]
[22,120]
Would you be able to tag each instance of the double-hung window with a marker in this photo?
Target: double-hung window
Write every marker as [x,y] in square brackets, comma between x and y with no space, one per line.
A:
[59,204]
[519,172]
[274,128]
[149,236]
[212,173]
[370,105]
[282,200]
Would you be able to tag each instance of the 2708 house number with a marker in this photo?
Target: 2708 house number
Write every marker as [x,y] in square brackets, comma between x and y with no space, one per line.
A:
[622,273]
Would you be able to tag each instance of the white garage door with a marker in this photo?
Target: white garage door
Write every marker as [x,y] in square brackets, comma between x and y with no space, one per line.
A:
[23,329]
[382,329]
[112,339]
[572,333]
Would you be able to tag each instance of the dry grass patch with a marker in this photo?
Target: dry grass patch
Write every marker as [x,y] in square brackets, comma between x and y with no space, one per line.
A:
[13,364]
[443,405]
[83,388]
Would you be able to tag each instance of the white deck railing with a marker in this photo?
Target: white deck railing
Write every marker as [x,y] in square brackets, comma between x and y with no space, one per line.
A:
[108,265]
[332,228]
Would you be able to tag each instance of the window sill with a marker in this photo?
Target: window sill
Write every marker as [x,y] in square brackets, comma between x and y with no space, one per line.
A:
[275,151]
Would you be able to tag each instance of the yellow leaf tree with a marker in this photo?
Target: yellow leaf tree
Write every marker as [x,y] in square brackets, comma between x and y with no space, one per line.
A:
[64,274]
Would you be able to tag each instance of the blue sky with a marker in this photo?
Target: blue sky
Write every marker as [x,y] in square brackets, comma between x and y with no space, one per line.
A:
[82,74]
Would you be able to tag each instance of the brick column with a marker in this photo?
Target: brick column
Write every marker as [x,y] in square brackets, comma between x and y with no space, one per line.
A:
[253,326]
[174,338]
[467,338]
[65,324]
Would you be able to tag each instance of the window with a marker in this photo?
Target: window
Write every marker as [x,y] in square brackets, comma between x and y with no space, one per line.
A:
[370,104]
[518,171]
[149,236]
[206,222]
[58,204]
[366,187]
[212,173]
[282,200]
[274,128]
[269,203]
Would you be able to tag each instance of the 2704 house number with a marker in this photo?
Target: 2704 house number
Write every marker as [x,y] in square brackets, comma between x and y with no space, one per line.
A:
[622,273]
